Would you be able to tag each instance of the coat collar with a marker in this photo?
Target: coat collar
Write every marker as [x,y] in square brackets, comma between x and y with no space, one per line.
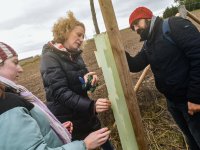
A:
[155,30]
[69,54]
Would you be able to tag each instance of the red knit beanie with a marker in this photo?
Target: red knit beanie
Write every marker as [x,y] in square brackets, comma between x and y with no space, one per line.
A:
[140,13]
[6,52]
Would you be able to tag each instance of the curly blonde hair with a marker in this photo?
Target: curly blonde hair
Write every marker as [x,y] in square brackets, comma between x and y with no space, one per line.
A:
[64,26]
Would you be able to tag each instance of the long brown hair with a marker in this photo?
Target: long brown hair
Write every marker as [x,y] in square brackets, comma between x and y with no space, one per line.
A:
[2,90]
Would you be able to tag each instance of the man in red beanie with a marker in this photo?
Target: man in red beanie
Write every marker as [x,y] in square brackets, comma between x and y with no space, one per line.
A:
[174,58]
[142,17]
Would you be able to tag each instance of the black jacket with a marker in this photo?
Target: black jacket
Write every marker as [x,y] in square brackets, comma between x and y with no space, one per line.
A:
[64,94]
[176,68]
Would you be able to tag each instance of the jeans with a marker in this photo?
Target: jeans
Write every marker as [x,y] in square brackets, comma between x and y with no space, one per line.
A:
[190,125]
[107,146]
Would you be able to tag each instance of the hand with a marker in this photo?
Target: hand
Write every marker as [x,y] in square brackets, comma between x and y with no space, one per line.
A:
[94,78]
[193,108]
[97,138]
[69,126]
[102,104]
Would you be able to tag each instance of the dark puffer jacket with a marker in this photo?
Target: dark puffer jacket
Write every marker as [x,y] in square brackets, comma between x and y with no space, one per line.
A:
[64,94]
[176,68]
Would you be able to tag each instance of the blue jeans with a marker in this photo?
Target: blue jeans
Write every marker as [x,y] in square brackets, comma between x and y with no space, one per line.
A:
[190,125]
[107,146]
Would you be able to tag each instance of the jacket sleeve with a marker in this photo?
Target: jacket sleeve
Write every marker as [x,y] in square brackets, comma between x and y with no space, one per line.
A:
[187,38]
[138,62]
[20,131]
[56,86]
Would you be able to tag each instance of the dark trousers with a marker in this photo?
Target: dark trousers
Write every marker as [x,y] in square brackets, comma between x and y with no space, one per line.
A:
[107,146]
[190,125]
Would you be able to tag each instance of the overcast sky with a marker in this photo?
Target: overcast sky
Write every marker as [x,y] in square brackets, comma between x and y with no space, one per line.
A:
[26,24]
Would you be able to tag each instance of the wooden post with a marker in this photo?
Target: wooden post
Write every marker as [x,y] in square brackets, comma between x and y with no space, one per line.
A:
[193,17]
[123,70]
[141,78]
[184,12]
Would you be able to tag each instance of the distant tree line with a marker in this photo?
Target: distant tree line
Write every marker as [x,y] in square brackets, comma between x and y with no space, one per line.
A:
[189,4]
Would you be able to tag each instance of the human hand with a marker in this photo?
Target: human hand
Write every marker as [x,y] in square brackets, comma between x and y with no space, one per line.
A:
[97,138]
[102,104]
[94,78]
[193,108]
[69,126]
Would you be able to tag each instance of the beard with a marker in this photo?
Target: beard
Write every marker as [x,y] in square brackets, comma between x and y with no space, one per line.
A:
[144,33]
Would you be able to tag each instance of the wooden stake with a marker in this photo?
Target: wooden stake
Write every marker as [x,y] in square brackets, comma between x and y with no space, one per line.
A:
[193,17]
[184,12]
[123,70]
[141,78]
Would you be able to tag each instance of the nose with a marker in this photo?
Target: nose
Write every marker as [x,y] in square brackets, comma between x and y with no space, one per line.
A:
[20,69]
[82,39]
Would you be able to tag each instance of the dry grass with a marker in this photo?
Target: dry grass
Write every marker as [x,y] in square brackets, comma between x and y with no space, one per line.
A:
[161,131]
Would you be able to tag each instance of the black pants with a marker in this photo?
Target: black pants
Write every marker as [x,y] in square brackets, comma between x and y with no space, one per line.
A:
[190,125]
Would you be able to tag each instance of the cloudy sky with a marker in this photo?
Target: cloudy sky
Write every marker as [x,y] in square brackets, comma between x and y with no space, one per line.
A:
[26,24]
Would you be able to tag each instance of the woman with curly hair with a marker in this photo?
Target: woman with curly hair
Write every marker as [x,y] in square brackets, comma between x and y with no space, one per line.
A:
[61,68]
[26,123]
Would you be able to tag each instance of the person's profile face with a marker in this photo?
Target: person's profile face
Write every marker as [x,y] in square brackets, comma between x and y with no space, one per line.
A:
[75,38]
[138,24]
[11,69]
